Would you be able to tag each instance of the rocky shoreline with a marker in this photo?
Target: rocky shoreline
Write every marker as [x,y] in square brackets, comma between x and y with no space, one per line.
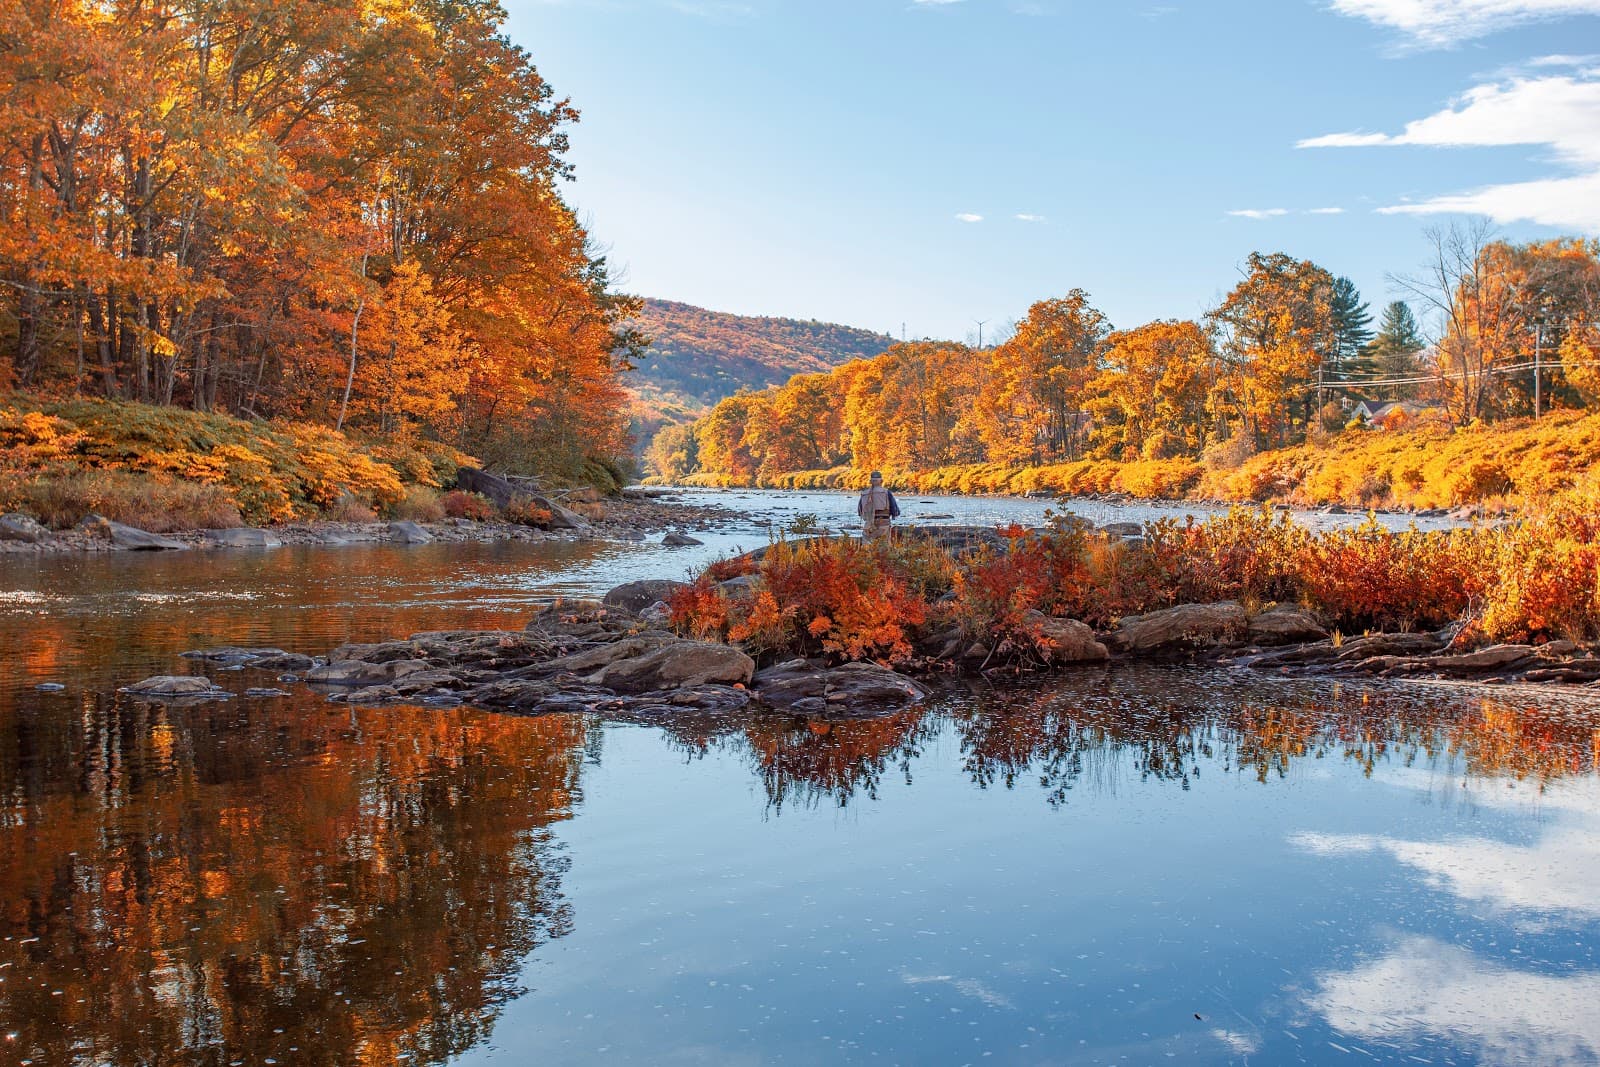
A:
[616,657]
[632,516]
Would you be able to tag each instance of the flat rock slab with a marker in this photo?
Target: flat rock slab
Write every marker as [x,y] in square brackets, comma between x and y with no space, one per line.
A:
[679,540]
[243,537]
[174,685]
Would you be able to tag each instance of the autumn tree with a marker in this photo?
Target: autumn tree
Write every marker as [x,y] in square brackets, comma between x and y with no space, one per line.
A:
[1150,396]
[1276,329]
[1031,405]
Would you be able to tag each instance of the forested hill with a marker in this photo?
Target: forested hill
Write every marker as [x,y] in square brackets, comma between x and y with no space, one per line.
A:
[701,356]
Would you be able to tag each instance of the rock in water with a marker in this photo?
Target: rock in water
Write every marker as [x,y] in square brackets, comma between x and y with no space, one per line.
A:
[677,540]
[636,596]
[1184,626]
[805,687]
[243,537]
[19,527]
[130,537]
[360,673]
[680,663]
[173,685]
[409,533]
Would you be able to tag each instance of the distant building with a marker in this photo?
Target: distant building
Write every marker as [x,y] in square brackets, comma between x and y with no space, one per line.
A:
[1379,413]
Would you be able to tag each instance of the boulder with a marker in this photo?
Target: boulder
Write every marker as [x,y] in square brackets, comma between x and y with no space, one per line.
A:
[680,663]
[1285,624]
[504,492]
[173,685]
[361,673]
[591,660]
[1183,626]
[1063,640]
[806,688]
[636,596]
[673,539]
[19,527]
[243,537]
[130,537]
[409,533]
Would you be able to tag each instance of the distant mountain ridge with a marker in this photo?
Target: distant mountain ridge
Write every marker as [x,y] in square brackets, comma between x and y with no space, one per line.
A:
[699,357]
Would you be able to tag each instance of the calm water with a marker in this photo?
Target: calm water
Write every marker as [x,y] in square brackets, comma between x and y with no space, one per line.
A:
[1135,866]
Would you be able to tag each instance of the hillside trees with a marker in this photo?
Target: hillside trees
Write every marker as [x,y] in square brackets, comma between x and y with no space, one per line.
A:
[254,205]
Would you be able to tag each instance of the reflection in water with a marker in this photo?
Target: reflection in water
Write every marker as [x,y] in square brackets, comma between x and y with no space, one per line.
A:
[1427,990]
[184,884]
[278,879]
[1165,726]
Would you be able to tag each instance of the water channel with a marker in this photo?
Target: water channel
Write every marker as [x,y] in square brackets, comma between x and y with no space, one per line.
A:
[1136,865]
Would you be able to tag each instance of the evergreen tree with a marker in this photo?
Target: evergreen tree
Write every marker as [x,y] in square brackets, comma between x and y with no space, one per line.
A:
[1352,330]
[1393,352]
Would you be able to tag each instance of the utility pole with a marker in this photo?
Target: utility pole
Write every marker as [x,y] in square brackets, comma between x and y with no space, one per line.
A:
[1538,377]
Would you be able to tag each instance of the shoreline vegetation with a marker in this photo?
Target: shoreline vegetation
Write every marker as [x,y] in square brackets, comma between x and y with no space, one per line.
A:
[1514,602]
[66,465]
[1493,468]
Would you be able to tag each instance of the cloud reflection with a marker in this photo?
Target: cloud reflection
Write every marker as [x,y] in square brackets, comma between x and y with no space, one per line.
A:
[1428,989]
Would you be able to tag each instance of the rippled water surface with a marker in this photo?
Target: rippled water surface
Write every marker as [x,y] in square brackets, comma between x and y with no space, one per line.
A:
[1127,866]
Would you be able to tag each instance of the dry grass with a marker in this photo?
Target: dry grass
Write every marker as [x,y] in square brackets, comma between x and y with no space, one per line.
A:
[150,502]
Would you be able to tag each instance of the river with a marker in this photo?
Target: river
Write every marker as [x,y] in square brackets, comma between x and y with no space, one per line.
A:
[1110,866]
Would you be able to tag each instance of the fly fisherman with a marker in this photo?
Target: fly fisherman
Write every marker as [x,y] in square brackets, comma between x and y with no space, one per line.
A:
[876,508]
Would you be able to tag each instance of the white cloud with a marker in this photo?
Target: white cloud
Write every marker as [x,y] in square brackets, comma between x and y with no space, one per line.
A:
[1559,112]
[1428,989]
[967,216]
[1025,217]
[1259,212]
[1441,23]
[1326,211]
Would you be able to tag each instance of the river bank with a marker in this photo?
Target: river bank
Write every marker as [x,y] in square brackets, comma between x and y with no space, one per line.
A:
[631,516]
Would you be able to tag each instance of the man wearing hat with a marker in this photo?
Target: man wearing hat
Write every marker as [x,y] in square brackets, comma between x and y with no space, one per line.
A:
[877,507]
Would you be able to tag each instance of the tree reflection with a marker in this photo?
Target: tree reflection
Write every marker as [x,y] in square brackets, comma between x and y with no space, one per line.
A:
[1068,738]
[807,760]
[181,885]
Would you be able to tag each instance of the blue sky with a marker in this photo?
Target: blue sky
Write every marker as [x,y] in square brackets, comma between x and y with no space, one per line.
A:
[935,162]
